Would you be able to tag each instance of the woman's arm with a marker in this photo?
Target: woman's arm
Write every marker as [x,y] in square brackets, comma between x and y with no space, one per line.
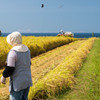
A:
[8,71]
[11,59]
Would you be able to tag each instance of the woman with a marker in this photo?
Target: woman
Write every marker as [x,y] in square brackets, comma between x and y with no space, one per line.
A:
[18,68]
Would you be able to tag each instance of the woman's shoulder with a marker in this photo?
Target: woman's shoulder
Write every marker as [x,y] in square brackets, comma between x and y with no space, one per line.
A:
[12,53]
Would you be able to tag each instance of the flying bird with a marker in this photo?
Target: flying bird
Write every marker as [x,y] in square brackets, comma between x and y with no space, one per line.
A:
[42,5]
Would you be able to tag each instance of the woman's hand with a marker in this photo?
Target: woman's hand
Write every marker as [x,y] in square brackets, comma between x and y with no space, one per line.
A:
[3,80]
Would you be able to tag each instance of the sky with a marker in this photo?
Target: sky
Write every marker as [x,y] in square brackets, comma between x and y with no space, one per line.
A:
[27,16]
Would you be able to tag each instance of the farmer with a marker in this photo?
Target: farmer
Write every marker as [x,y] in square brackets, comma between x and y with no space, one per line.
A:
[18,68]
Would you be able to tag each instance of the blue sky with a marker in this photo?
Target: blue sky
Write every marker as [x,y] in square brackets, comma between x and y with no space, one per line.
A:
[68,15]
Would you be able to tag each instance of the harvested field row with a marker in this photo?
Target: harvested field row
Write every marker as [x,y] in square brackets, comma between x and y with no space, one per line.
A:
[42,64]
[63,75]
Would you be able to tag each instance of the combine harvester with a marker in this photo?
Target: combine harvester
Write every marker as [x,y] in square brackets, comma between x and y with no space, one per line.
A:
[62,33]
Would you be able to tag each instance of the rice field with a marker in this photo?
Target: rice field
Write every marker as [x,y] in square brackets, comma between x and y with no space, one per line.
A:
[54,70]
[37,45]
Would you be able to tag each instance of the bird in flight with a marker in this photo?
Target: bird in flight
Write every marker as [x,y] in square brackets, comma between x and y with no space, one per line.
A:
[42,5]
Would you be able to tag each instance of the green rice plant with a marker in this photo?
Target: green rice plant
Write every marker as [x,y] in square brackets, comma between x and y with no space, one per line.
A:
[63,75]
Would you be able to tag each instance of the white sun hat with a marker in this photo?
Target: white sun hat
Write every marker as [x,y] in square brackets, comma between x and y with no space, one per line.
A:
[14,38]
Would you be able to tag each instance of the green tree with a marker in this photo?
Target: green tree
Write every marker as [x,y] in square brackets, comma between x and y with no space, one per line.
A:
[92,34]
[0,32]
